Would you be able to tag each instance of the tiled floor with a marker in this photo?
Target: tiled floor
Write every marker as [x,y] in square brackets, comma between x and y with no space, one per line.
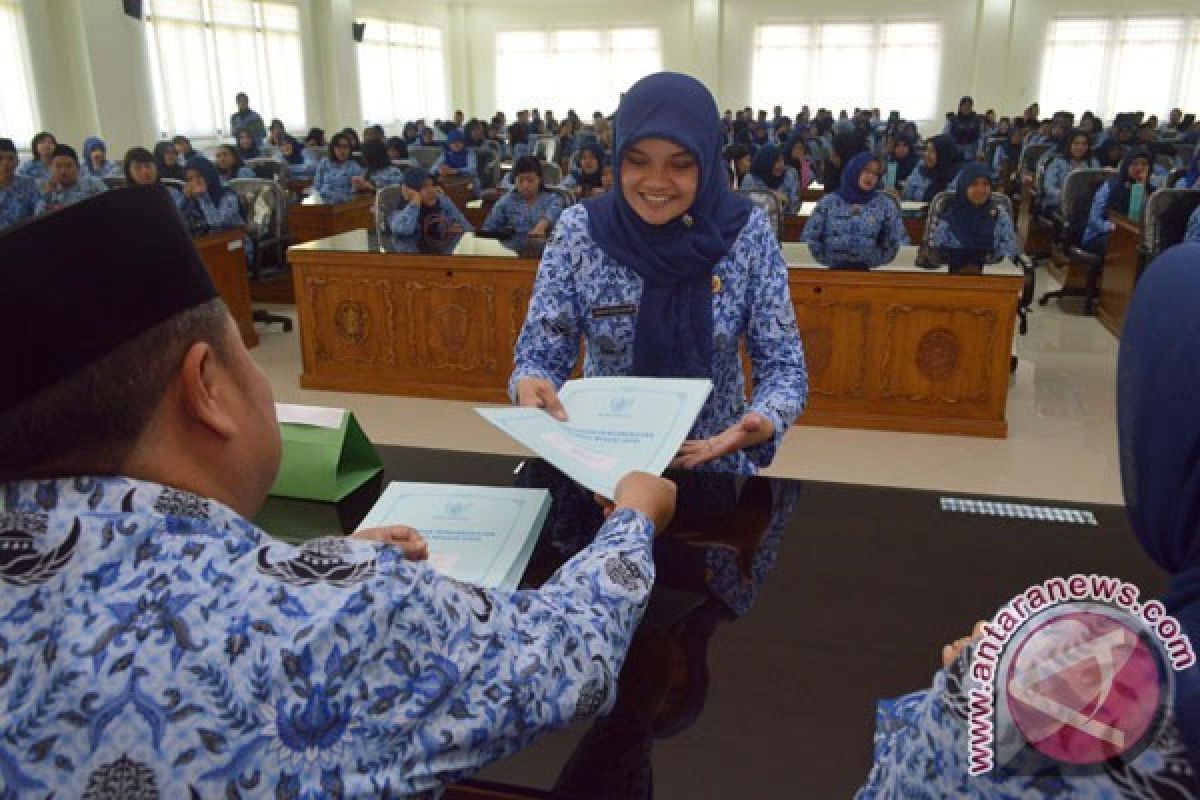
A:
[1061,413]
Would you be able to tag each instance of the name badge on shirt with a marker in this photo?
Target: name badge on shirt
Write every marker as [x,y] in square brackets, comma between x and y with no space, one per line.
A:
[613,311]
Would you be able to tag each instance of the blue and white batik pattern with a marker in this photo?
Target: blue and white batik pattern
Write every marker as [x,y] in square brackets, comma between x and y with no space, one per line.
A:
[388,176]
[1193,228]
[86,186]
[18,201]
[582,293]
[34,169]
[921,751]
[917,186]
[332,180]
[790,188]
[155,637]
[1004,248]
[840,233]
[404,221]
[243,172]
[511,211]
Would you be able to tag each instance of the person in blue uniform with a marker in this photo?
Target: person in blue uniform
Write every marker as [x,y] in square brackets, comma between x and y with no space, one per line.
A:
[379,171]
[334,177]
[205,203]
[245,118]
[18,193]
[168,160]
[457,162]
[937,172]
[158,644]
[247,147]
[429,215]
[1190,178]
[974,231]
[1193,228]
[1115,195]
[1007,159]
[519,143]
[902,160]
[966,129]
[665,276]
[38,166]
[397,149]
[1074,152]
[183,149]
[588,179]
[769,172]
[139,167]
[529,209]
[228,163]
[1109,153]
[292,153]
[95,159]
[858,226]
[795,153]
[67,184]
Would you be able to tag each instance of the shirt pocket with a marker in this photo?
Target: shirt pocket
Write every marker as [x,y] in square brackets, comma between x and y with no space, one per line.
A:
[611,330]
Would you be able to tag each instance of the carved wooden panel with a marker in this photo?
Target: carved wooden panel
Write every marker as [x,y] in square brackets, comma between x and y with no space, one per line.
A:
[451,325]
[939,354]
[835,338]
[353,320]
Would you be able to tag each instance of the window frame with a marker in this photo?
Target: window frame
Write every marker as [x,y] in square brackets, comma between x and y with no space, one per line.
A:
[418,50]
[22,138]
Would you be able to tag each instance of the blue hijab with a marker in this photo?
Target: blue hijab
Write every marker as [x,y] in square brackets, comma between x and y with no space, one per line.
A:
[90,144]
[764,163]
[594,180]
[208,171]
[673,337]
[850,191]
[1158,392]
[1193,173]
[455,159]
[1119,184]
[974,226]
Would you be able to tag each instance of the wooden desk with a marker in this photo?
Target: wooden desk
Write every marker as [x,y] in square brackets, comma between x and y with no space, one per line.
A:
[892,349]
[224,256]
[310,221]
[1122,268]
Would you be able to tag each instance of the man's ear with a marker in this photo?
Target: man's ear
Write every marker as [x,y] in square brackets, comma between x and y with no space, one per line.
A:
[206,391]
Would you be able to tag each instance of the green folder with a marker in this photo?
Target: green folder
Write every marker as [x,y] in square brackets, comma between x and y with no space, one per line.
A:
[324,463]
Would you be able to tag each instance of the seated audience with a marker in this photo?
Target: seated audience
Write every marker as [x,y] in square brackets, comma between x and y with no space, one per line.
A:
[769,172]
[38,167]
[795,153]
[379,171]
[857,226]
[169,162]
[937,173]
[334,178]
[902,160]
[183,150]
[205,203]
[588,179]
[458,163]
[974,230]
[18,193]
[1117,194]
[140,167]
[529,209]
[95,159]
[429,214]
[1073,152]
[66,185]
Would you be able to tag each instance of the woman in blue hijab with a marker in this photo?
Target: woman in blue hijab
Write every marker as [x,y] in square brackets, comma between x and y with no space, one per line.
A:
[974,230]
[95,159]
[858,226]
[205,204]
[458,163]
[663,277]
[769,172]
[1133,176]
[1191,179]
[936,174]
[588,178]
[922,741]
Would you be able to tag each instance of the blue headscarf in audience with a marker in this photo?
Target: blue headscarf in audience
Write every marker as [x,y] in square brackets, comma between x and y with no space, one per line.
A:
[673,337]
[297,156]
[1120,184]
[849,190]
[246,153]
[764,163]
[973,226]
[212,178]
[1158,433]
[588,181]
[1193,173]
[944,170]
[455,158]
[905,166]
[89,144]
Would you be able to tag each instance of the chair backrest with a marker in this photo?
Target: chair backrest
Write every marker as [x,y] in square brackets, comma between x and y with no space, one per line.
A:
[545,147]
[1165,161]
[264,206]
[768,202]
[319,152]
[1166,219]
[115,181]
[1075,202]
[269,151]
[268,169]
[551,173]
[387,200]
[993,144]
[484,159]
[424,155]
[937,211]
[491,145]
[1031,155]
[171,183]
[1173,177]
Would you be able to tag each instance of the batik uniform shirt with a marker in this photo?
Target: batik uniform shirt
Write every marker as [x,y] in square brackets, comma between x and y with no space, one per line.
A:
[1055,179]
[582,293]
[1193,228]
[917,186]
[404,222]
[511,211]
[388,176]
[1098,225]
[790,188]
[921,751]
[523,149]
[18,201]
[86,186]
[107,170]
[332,180]
[201,212]
[153,640]
[35,170]
[471,170]
[839,233]
[1005,247]
[243,172]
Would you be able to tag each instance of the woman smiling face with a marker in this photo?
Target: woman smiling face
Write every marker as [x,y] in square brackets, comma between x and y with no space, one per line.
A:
[659,179]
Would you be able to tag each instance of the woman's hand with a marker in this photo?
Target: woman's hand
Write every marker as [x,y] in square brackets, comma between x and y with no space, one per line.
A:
[402,536]
[750,430]
[952,651]
[539,231]
[362,183]
[540,393]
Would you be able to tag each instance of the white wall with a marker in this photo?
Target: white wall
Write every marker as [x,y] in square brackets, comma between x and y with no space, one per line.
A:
[89,61]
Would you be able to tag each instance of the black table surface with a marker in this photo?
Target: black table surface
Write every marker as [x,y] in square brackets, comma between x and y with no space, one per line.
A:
[783,611]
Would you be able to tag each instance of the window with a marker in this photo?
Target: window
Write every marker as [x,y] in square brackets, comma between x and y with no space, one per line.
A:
[401,72]
[17,120]
[845,65]
[586,70]
[203,52]
[1121,64]
[1190,94]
